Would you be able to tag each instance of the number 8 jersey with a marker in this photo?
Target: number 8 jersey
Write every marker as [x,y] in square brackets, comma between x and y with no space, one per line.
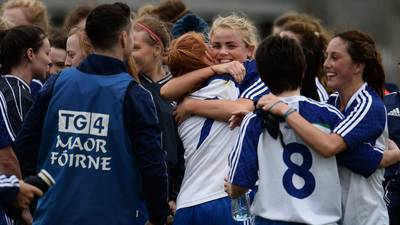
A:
[296,184]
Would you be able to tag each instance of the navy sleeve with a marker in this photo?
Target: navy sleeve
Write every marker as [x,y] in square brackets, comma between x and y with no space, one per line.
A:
[142,124]
[252,87]
[243,161]
[6,137]
[27,143]
[363,160]
[9,187]
[364,124]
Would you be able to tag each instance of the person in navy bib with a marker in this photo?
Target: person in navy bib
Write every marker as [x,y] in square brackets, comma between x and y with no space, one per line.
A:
[94,129]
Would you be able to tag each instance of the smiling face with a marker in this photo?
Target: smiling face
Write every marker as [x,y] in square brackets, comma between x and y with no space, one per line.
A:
[227,45]
[339,67]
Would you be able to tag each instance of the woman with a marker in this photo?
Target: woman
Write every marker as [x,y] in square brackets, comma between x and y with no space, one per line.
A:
[24,53]
[78,47]
[233,41]
[151,39]
[314,42]
[353,67]
[207,143]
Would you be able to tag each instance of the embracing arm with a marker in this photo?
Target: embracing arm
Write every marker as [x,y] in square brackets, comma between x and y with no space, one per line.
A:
[325,144]
[179,87]
[220,110]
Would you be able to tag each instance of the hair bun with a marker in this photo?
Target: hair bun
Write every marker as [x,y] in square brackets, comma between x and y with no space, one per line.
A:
[189,23]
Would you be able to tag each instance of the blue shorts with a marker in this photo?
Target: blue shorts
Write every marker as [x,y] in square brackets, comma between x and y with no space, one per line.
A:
[215,212]
[263,221]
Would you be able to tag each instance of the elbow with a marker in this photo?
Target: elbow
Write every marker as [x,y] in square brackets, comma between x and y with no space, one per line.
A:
[328,154]
[329,151]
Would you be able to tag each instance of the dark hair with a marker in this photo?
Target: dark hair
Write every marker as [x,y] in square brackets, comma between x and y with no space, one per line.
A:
[105,22]
[57,38]
[361,48]
[281,63]
[14,43]
[314,43]
[76,15]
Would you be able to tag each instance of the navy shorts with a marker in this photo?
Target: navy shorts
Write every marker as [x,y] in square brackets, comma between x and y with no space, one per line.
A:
[215,212]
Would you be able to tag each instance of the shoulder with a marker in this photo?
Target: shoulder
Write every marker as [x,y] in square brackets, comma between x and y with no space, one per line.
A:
[321,108]
[253,122]
[369,97]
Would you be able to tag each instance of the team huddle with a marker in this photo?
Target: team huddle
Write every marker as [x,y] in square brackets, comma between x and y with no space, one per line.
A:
[157,118]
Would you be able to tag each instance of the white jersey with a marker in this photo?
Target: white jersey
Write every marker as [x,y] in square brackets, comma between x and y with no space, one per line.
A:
[364,123]
[296,184]
[207,144]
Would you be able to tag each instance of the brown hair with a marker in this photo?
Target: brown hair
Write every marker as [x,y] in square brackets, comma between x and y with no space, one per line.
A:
[170,11]
[187,54]
[284,18]
[313,40]
[34,10]
[361,48]
[156,27]
[75,16]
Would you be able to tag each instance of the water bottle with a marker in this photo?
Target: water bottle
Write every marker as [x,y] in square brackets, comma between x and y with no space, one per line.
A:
[241,207]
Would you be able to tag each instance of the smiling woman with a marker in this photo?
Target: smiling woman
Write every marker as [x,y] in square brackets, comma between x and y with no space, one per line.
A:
[354,70]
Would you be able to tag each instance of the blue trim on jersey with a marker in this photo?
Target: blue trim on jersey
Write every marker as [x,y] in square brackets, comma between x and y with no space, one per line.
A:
[244,154]
[205,131]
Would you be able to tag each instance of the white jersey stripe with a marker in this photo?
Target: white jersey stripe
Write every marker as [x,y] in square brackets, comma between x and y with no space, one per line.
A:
[366,102]
[352,116]
[249,89]
[256,90]
[11,181]
[3,109]
[323,95]
[264,89]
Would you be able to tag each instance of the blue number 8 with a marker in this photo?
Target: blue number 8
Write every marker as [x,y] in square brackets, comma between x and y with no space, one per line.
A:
[302,171]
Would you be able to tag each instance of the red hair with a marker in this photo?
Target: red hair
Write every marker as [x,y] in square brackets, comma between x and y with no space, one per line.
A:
[187,53]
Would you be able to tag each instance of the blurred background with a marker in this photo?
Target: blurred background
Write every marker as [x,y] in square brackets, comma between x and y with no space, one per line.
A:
[379,18]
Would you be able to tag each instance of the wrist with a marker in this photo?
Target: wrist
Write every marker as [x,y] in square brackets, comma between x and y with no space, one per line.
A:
[288,112]
[213,70]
